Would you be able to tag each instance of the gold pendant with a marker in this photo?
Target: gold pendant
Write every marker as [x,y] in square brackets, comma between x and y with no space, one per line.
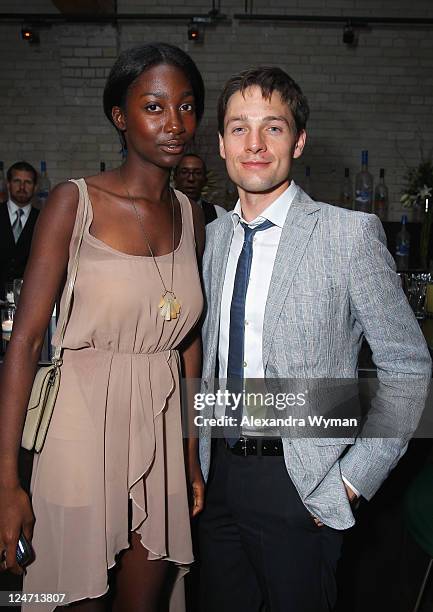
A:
[170,307]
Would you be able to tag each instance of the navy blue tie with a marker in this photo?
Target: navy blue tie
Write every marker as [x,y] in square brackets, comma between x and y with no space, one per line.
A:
[235,362]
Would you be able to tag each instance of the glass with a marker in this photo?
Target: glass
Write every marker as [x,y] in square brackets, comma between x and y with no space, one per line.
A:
[415,287]
[7,319]
[9,292]
[17,286]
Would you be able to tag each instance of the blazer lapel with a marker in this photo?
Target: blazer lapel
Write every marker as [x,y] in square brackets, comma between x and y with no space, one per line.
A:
[221,248]
[300,222]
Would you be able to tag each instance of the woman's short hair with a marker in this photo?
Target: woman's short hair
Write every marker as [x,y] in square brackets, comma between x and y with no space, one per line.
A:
[269,79]
[133,62]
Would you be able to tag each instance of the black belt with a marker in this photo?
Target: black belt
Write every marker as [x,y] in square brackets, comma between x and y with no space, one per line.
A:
[261,447]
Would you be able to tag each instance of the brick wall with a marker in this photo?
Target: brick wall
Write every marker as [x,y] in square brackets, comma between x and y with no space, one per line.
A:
[377,95]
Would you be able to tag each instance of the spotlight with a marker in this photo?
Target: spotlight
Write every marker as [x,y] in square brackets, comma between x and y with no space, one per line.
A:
[193,32]
[29,34]
[348,34]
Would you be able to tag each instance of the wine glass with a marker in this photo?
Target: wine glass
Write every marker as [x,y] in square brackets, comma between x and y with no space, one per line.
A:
[17,286]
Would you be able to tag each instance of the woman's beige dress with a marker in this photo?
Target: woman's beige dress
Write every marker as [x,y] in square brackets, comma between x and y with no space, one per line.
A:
[116,430]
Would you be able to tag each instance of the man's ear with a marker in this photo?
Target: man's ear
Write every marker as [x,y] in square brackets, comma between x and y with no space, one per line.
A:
[119,118]
[300,144]
[222,149]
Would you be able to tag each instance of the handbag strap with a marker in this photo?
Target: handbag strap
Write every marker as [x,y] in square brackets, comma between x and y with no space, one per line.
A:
[73,273]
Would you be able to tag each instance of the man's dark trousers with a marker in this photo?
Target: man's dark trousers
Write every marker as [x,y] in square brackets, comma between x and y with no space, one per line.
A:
[258,542]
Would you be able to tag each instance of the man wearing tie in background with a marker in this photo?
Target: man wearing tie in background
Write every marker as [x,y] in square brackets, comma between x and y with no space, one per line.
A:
[17,221]
[292,286]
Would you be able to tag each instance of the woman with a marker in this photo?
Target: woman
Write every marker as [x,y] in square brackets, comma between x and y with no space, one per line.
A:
[115,433]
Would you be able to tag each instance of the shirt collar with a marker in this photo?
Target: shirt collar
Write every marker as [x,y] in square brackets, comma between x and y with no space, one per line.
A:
[275,212]
[12,208]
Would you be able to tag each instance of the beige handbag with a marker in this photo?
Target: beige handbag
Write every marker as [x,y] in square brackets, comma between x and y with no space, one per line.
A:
[47,379]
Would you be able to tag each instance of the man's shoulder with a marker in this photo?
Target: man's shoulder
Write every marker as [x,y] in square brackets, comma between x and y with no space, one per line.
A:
[220,210]
[220,223]
[334,214]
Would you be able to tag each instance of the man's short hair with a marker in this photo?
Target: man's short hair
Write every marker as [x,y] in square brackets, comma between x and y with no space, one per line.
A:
[269,79]
[22,165]
[192,155]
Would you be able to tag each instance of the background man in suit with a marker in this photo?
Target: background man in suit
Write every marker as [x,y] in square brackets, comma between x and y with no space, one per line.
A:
[292,286]
[190,178]
[17,221]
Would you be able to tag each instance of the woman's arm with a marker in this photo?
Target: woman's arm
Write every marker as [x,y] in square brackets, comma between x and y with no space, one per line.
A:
[191,361]
[43,277]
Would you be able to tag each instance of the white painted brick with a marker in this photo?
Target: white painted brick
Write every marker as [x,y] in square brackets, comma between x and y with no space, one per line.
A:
[376,96]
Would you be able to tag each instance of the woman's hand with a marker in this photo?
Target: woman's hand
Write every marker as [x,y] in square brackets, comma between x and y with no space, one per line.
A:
[196,487]
[191,358]
[16,516]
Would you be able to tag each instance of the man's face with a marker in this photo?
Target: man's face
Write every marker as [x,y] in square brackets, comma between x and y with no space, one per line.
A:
[190,177]
[21,187]
[260,141]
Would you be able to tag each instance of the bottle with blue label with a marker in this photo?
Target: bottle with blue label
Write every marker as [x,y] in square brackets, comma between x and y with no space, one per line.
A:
[364,187]
[402,246]
[44,185]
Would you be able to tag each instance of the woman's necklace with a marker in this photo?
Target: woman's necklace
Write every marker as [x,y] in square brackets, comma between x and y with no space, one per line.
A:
[168,305]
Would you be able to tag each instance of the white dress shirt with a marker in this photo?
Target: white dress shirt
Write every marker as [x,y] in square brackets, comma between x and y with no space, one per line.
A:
[12,208]
[264,253]
[265,245]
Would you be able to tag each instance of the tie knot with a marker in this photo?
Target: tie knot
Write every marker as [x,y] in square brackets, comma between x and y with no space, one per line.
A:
[20,213]
[250,231]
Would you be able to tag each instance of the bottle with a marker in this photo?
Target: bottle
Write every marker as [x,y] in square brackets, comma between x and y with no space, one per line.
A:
[364,187]
[308,184]
[102,166]
[381,197]
[402,246]
[3,187]
[44,185]
[346,191]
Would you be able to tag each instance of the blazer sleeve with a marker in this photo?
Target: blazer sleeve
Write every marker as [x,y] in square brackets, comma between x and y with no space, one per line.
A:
[381,310]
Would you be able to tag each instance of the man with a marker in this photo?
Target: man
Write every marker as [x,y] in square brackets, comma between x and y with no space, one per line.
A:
[17,221]
[292,286]
[190,177]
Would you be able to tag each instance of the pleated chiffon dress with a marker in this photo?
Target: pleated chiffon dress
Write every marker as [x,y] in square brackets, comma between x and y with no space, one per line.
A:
[116,433]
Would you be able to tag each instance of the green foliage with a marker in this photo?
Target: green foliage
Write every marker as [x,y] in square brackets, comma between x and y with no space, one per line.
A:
[419,183]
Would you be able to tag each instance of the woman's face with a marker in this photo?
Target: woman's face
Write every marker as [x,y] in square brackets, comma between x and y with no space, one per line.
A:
[159,115]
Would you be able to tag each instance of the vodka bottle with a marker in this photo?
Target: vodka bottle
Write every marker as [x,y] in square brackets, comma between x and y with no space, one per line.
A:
[3,187]
[381,197]
[364,187]
[346,191]
[402,246]
[44,185]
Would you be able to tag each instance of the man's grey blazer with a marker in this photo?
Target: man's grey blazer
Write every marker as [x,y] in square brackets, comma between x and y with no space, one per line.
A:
[332,283]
